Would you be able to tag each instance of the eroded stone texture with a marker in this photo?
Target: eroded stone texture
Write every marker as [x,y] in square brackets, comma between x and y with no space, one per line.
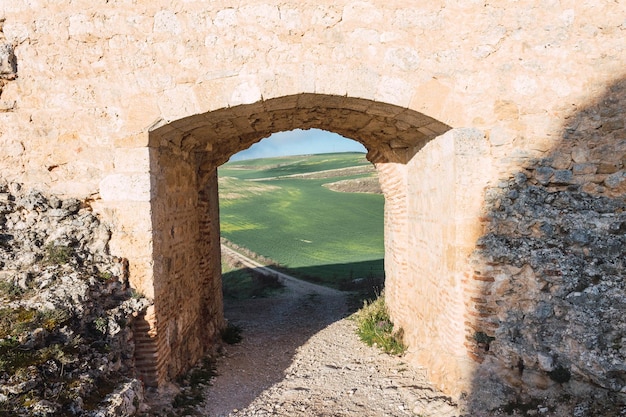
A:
[551,316]
[8,63]
[67,312]
[8,66]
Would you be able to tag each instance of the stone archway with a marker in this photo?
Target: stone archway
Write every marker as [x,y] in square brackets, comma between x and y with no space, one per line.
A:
[184,155]
[410,151]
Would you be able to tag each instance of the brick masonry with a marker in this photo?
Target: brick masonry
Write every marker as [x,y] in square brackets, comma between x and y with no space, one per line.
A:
[133,106]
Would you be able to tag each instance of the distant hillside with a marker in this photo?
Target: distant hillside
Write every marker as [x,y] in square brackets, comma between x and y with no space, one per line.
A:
[289,209]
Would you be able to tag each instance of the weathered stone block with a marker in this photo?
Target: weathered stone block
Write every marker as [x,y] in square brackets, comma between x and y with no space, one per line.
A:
[126,187]
[584,168]
[8,62]
[544,174]
[616,180]
[562,177]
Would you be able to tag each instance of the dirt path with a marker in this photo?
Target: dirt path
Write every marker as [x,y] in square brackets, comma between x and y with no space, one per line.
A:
[297,286]
[300,356]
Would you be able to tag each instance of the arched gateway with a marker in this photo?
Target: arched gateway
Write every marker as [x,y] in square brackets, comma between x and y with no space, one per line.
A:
[185,154]
[487,121]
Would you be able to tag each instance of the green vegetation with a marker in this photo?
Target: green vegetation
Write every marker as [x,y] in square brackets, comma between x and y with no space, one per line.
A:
[58,254]
[136,294]
[376,329]
[318,234]
[10,290]
[12,357]
[106,276]
[19,321]
[245,283]
[194,382]
[231,334]
[291,165]
[101,324]
[16,321]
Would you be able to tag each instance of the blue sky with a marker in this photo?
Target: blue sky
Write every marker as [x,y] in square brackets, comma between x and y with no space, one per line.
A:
[299,142]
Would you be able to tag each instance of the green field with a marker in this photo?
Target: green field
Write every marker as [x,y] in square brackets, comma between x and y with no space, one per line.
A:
[270,208]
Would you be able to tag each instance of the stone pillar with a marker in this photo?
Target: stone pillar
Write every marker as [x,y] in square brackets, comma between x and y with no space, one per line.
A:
[187,282]
[444,192]
[212,305]
[126,203]
[392,178]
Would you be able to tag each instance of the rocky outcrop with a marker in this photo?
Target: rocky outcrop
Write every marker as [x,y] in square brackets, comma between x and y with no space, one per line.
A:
[557,259]
[66,345]
[551,322]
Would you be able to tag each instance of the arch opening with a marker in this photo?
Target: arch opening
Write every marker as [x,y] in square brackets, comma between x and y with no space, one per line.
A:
[280,210]
[309,203]
[390,133]
[299,142]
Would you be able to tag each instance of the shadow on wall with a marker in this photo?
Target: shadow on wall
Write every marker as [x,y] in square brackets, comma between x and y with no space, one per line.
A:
[551,326]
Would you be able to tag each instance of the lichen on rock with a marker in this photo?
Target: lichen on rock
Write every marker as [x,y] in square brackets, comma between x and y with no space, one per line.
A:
[65,322]
[557,258]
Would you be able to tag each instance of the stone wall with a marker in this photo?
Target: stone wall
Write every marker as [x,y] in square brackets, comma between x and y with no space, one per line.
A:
[132,106]
[445,183]
[189,288]
[550,320]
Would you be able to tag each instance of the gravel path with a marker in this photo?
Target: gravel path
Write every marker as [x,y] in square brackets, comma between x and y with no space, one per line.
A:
[300,356]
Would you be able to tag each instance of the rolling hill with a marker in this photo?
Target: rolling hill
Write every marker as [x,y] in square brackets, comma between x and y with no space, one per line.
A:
[320,216]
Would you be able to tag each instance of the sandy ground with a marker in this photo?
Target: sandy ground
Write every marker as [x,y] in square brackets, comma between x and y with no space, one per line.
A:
[301,356]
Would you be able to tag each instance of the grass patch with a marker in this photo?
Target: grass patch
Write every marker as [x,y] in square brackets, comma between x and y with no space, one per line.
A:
[106,276]
[15,321]
[13,357]
[365,276]
[292,165]
[246,283]
[101,324]
[11,290]
[300,224]
[231,334]
[375,328]
[58,254]
[194,383]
